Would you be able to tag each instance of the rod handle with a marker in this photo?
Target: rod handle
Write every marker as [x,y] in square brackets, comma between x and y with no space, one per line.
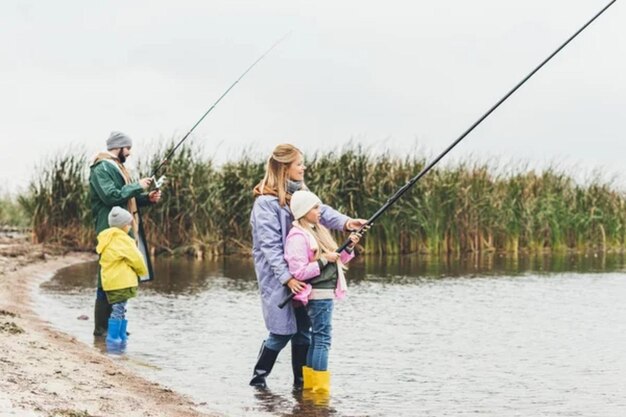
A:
[286,300]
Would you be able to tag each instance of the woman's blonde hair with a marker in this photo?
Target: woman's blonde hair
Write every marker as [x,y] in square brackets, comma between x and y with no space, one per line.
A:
[275,180]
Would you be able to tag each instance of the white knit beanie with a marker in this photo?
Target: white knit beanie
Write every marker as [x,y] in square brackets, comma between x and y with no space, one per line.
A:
[301,202]
[118,217]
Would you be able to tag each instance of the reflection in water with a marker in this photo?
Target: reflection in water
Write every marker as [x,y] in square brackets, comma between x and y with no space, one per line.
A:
[179,276]
[485,265]
[176,276]
[302,404]
[415,336]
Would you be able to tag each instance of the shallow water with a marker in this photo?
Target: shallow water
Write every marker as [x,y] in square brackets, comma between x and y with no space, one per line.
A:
[416,337]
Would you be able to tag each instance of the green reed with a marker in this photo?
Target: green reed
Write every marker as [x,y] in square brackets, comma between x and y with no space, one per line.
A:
[11,213]
[57,203]
[465,208]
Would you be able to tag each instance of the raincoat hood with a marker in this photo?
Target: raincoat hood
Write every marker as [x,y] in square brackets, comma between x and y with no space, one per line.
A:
[107,236]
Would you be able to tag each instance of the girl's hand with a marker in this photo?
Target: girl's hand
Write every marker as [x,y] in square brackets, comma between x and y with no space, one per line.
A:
[354,238]
[295,286]
[331,257]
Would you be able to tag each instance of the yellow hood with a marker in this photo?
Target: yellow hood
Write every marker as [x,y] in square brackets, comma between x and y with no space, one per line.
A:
[106,237]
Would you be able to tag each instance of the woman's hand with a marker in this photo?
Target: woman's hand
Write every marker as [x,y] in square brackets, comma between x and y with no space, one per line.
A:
[355,224]
[331,257]
[295,286]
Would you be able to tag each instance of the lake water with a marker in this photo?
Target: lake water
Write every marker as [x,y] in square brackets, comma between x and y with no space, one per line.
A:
[416,336]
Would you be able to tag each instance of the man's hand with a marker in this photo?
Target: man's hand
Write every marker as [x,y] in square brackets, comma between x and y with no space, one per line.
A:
[154,196]
[145,182]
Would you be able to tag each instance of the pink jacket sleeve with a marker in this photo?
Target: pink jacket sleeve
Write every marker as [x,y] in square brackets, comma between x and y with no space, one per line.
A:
[346,256]
[297,257]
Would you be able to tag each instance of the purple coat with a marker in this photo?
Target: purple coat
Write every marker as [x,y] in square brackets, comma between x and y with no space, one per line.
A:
[270,225]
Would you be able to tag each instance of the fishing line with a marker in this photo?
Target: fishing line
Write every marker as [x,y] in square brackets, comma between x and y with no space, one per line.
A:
[171,152]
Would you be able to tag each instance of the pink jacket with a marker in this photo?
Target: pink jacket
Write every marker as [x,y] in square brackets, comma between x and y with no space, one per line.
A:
[300,257]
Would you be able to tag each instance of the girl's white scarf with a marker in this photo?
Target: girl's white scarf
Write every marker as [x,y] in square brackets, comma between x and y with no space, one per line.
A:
[342,285]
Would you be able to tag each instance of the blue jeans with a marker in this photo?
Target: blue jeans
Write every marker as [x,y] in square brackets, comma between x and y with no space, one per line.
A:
[277,342]
[119,311]
[321,315]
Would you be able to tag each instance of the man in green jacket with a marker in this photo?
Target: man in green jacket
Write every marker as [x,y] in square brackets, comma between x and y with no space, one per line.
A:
[110,185]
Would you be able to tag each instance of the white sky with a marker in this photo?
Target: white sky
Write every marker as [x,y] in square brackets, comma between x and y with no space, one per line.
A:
[395,74]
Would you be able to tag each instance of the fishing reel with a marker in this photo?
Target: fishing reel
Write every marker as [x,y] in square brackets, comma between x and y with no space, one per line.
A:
[158,183]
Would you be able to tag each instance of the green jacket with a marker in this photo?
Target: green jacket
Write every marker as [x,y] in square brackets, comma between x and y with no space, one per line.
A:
[109,189]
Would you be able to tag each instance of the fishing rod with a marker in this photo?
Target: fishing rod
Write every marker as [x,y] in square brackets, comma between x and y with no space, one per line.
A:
[159,182]
[424,171]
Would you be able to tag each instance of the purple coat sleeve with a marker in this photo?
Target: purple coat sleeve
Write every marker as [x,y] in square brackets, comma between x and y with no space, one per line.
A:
[297,256]
[332,219]
[271,240]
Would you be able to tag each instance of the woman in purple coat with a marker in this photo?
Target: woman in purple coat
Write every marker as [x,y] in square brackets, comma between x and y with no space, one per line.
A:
[271,221]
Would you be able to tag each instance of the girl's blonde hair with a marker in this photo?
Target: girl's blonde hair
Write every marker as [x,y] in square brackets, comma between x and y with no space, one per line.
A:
[275,180]
[325,241]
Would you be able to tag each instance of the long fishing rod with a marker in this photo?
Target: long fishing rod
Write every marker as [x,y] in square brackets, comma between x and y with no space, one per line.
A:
[424,171]
[170,153]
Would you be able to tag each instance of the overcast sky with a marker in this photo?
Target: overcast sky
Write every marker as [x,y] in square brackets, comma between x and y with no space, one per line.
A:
[395,74]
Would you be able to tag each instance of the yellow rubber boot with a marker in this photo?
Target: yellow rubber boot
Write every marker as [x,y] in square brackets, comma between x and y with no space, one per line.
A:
[321,381]
[320,393]
[307,375]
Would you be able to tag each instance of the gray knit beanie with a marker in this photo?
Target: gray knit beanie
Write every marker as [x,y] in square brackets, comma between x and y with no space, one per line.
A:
[118,217]
[118,140]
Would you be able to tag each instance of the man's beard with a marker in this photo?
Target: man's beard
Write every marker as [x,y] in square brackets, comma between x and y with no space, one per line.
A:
[121,156]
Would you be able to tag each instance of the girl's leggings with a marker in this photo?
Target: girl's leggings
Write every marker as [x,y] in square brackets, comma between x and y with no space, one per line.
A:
[119,311]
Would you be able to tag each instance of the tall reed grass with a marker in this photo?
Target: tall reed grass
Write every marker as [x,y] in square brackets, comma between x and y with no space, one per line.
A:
[11,213]
[57,203]
[469,207]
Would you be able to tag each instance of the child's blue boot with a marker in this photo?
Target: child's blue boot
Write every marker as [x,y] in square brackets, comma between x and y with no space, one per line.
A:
[113,340]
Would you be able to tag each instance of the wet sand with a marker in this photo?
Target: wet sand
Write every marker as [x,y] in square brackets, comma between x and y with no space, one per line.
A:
[44,372]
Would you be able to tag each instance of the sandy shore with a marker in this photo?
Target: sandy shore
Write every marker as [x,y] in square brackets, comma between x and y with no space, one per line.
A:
[44,372]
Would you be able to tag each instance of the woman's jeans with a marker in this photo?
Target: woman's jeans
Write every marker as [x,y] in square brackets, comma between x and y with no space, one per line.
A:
[119,311]
[277,342]
[321,315]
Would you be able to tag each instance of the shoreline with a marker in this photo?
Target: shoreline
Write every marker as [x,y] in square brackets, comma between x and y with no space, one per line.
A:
[47,373]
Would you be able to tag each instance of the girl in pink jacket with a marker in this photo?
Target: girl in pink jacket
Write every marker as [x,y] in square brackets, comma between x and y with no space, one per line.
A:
[310,252]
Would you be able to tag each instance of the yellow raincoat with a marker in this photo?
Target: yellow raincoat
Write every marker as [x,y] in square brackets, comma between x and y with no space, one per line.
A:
[120,260]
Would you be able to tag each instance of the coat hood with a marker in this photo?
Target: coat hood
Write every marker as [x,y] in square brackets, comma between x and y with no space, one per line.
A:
[106,236]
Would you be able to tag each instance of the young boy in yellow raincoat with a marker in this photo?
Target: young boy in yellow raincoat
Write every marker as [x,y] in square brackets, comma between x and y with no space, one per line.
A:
[121,264]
